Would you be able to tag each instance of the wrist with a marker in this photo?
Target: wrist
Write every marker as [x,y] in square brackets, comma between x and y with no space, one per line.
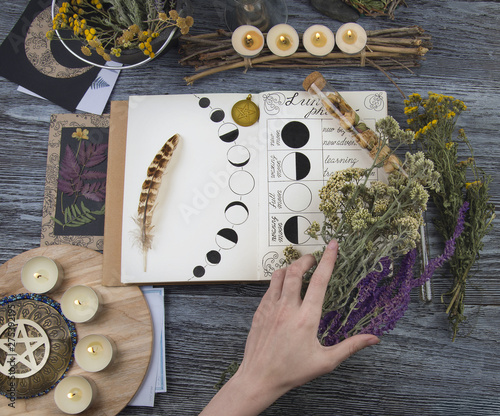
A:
[242,395]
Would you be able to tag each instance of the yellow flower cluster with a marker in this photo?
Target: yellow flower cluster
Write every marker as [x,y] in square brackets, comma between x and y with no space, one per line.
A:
[433,114]
[471,184]
[97,27]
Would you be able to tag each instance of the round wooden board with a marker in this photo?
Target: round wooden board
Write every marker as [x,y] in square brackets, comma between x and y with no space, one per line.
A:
[125,318]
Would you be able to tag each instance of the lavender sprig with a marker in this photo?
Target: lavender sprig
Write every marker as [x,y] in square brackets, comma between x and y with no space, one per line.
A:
[381,301]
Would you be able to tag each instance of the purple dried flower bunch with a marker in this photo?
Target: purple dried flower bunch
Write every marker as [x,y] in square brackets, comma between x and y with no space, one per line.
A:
[79,178]
[377,225]
[382,298]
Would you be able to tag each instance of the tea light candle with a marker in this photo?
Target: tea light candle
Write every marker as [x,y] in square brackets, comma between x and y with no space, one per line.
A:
[80,303]
[41,275]
[318,40]
[282,40]
[94,352]
[248,41]
[74,394]
[351,38]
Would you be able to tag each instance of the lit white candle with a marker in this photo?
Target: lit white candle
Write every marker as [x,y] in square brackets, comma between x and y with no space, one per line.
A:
[41,275]
[94,352]
[282,40]
[80,303]
[351,38]
[318,40]
[74,394]
[248,41]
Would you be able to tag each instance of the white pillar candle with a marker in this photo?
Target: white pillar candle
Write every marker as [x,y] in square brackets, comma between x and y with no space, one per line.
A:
[94,352]
[248,41]
[80,303]
[74,394]
[318,40]
[351,38]
[282,40]
[41,275]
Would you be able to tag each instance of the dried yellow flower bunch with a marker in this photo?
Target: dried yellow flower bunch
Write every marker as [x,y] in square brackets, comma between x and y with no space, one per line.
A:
[109,27]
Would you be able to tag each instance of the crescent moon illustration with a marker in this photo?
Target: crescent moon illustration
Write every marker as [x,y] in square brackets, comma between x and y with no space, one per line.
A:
[37,48]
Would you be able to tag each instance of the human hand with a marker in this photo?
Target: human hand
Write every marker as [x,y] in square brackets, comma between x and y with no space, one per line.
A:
[282,349]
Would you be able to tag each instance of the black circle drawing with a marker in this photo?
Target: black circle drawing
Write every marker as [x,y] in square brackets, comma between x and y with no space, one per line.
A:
[213,257]
[295,228]
[296,166]
[228,132]
[297,197]
[241,182]
[226,238]
[236,212]
[295,134]
[199,271]
[204,102]
[217,115]
[238,156]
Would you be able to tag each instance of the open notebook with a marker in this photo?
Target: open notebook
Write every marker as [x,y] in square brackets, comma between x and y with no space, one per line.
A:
[233,197]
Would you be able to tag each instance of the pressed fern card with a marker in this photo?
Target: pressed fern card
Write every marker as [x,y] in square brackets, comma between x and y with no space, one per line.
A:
[75,188]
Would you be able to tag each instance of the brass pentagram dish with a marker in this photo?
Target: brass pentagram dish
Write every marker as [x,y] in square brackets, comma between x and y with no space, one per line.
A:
[36,345]
[125,318]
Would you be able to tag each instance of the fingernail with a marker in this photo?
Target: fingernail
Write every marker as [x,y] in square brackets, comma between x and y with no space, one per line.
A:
[373,341]
[332,245]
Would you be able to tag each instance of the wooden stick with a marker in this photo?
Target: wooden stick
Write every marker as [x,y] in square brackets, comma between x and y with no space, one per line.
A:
[387,49]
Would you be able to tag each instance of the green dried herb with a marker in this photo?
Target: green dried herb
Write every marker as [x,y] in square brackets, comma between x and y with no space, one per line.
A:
[377,220]
[433,120]
[375,7]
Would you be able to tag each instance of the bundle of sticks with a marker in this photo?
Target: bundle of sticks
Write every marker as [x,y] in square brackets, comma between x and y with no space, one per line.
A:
[386,50]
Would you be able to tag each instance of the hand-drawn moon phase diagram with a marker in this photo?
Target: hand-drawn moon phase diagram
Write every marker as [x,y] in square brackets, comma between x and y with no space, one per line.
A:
[228,132]
[295,228]
[240,182]
[226,238]
[238,156]
[236,212]
[38,52]
[297,197]
[295,134]
[296,166]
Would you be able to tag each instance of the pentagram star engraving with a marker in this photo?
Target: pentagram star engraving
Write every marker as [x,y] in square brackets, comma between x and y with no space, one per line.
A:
[27,348]
[245,112]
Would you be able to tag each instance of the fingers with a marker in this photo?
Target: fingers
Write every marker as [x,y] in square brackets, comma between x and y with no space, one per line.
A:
[351,346]
[319,280]
[276,285]
[293,279]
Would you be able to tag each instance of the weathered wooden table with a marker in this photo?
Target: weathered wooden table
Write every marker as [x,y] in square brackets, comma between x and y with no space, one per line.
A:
[416,369]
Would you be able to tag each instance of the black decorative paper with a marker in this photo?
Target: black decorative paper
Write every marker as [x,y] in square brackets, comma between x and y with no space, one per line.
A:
[44,67]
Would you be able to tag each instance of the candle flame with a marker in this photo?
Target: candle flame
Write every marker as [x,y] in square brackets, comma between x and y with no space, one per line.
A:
[71,395]
[77,302]
[92,350]
[37,275]
[318,36]
[249,40]
[349,33]
[284,40]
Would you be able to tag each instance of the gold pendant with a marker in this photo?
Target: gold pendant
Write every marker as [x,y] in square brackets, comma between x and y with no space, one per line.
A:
[245,112]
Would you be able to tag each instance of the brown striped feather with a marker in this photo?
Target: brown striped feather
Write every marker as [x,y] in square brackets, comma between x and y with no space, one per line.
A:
[149,192]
